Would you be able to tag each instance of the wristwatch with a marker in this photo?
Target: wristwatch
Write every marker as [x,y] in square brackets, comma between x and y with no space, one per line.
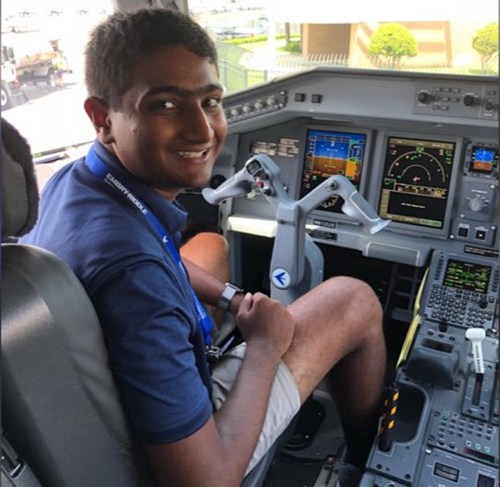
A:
[230,291]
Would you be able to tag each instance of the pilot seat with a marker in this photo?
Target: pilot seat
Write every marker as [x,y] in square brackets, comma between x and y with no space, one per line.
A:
[62,421]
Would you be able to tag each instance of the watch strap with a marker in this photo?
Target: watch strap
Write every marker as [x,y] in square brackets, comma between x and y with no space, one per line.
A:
[230,290]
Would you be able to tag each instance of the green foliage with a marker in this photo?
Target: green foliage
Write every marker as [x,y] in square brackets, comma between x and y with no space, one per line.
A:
[247,40]
[485,42]
[252,39]
[391,43]
[295,47]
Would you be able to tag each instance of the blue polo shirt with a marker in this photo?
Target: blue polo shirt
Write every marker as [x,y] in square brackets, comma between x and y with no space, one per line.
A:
[144,303]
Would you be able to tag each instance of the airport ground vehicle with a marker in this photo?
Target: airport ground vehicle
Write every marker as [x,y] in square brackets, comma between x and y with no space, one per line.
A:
[35,58]
[11,93]
[39,70]
[423,150]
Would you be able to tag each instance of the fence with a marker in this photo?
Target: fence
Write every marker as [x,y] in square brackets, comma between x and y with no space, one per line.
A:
[236,76]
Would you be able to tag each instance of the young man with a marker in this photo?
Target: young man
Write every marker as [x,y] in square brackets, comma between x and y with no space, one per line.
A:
[155,102]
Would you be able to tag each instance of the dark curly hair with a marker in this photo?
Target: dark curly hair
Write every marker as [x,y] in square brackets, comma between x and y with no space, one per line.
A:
[118,44]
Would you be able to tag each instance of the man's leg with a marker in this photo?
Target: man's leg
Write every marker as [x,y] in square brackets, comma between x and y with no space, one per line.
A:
[339,336]
[209,250]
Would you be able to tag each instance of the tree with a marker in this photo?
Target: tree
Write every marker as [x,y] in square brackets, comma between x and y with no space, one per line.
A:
[392,42]
[485,42]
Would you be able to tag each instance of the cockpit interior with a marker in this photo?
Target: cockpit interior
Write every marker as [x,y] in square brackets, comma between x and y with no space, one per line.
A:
[390,177]
[422,152]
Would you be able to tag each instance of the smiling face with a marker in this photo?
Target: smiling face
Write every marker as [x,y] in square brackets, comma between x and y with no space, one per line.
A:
[171,125]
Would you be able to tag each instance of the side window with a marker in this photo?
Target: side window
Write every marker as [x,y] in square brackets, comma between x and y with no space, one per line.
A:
[42,69]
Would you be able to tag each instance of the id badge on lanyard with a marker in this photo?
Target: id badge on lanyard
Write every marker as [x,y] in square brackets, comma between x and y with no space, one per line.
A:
[99,169]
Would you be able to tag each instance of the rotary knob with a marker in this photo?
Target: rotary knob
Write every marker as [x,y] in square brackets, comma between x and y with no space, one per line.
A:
[483,301]
[216,180]
[424,97]
[489,106]
[469,100]
[477,203]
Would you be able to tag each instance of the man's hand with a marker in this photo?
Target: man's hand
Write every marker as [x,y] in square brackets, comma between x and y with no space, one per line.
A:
[265,322]
[219,452]
[234,307]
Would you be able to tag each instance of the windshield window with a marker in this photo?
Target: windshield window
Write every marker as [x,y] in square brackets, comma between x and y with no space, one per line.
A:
[43,42]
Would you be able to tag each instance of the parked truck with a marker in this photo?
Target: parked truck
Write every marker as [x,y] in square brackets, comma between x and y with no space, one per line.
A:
[36,58]
[46,65]
[11,93]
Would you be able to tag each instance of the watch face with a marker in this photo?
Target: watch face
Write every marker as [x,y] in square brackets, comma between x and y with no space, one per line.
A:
[227,295]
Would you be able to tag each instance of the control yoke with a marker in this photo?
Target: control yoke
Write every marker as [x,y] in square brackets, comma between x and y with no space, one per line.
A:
[291,274]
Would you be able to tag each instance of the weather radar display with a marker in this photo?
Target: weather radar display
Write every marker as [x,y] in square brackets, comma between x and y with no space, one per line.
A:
[416,181]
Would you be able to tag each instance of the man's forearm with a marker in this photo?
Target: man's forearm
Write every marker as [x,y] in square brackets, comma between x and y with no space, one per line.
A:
[228,439]
[225,444]
[206,286]
[241,417]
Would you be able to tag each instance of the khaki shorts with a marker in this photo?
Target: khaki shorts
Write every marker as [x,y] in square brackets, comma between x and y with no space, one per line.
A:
[284,402]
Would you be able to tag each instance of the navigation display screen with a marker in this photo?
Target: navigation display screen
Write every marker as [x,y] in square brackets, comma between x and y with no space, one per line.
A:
[328,153]
[467,275]
[416,181]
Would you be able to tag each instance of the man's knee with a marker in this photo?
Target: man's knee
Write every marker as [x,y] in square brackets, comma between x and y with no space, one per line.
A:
[211,240]
[359,301]
[206,244]
[210,251]
[215,245]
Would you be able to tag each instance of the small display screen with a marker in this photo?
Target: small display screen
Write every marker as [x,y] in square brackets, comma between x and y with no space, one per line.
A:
[467,275]
[416,181]
[328,153]
[483,159]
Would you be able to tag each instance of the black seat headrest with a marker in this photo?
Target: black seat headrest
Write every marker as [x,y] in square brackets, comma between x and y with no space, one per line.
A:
[19,186]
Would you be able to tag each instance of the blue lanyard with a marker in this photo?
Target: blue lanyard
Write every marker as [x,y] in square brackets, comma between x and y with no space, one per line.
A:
[98,168]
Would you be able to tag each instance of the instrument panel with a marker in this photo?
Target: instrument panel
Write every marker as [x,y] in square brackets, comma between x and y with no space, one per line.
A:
[432,171]
[423,151]
[446,429]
